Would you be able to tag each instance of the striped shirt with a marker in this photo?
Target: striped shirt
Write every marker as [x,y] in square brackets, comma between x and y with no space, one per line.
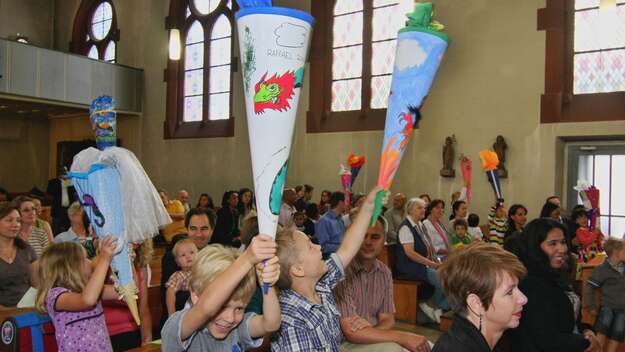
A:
[366,293]
[309,326]
[496,227]
[38,240]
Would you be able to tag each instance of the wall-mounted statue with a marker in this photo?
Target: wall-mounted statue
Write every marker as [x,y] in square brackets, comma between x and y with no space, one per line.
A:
[448,157]
[500,147]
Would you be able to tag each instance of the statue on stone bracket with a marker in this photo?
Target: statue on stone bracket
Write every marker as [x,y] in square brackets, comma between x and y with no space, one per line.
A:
[500,147]
[448,157]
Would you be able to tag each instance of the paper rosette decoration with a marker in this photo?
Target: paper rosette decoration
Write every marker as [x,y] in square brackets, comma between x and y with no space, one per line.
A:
[117,196]
[420,49]
[355,163]
[274,43]
[467,170]
[490,161]
[590,199]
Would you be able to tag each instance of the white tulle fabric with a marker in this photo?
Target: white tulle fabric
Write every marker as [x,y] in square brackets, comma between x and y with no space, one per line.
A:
[143,208]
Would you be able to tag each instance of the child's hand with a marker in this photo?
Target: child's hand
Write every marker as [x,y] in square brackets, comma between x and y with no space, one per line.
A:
[262,247]
[268,273]
[107,247]
[369,203]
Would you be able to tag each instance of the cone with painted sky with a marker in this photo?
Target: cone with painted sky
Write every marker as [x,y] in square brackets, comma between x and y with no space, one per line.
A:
[420,49]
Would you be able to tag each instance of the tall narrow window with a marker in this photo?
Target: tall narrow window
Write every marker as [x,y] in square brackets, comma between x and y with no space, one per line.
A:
[95,31]
[599,47]
[199,85]
[350,85]
[584,60]
[604,167]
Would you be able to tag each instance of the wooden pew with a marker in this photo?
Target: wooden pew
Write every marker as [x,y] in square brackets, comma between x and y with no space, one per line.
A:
[405,292]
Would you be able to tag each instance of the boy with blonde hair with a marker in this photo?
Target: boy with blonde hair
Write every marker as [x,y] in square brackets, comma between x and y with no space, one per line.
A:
[184,252]
[310,317]
[222,283]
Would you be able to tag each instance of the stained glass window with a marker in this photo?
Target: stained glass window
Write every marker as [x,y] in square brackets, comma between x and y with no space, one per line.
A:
[99,35]
[93,52]
[599,47]
[102,20]
[348,45]
[208,76]
[109,54]
[347,55]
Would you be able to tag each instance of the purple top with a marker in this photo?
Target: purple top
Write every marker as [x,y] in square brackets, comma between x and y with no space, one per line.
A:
[78,331]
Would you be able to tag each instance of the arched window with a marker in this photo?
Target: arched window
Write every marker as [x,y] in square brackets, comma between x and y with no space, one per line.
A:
[199,85]
[95,32]
[585,60]
[352,58]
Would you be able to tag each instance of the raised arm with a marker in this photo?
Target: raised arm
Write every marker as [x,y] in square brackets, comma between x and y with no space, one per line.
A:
[261,325]
[355,234]
[219,290]
[89,297]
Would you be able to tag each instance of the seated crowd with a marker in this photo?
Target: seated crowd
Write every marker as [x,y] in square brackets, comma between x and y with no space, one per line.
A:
[319,286]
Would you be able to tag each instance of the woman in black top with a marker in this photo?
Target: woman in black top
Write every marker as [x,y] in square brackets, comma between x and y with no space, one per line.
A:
[227,228]
[480,282]
[551,319]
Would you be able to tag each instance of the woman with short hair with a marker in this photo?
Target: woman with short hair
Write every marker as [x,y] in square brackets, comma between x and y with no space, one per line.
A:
[36,237]
[415,259]
[481,286]
[79,230]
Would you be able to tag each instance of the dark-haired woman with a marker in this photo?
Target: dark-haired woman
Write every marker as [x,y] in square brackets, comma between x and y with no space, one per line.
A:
[551,318]
[227,228]
[17,258]
[439,235]
[246,204]
[459,210]
[517,217]
[205,201]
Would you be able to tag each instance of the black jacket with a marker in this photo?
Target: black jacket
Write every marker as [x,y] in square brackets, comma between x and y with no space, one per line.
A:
[462,336]
[548,320]
[227,227]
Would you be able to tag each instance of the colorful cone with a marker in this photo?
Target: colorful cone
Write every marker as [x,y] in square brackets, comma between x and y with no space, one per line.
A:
[420,49]
[274,45]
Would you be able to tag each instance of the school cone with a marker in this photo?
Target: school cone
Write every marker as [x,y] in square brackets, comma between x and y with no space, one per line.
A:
[274,43]
[420,49]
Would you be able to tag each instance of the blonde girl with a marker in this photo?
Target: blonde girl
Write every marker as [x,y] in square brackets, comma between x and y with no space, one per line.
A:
[71,291]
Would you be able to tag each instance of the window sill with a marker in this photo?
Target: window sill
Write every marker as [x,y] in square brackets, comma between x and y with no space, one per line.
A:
[200,129]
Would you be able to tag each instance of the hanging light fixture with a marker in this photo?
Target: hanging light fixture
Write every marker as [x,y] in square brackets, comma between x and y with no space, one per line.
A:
[175,48]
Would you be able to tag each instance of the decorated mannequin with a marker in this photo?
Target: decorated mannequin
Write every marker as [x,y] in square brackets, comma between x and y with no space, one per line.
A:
[117,196]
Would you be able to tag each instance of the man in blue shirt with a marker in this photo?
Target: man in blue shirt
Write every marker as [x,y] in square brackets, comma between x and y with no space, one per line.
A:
[330,228]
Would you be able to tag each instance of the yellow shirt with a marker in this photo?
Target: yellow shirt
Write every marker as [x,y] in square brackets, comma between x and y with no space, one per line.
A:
[177,226]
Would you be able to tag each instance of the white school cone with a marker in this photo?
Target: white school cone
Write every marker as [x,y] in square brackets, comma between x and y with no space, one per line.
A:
[274,45]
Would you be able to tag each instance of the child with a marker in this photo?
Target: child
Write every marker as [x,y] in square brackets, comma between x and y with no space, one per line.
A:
[497,223]
[298,219]
[70,295]
[222,283]
[474,227]
[460,238]
[609,277]
[589,241]
[184,251]
[310,317]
